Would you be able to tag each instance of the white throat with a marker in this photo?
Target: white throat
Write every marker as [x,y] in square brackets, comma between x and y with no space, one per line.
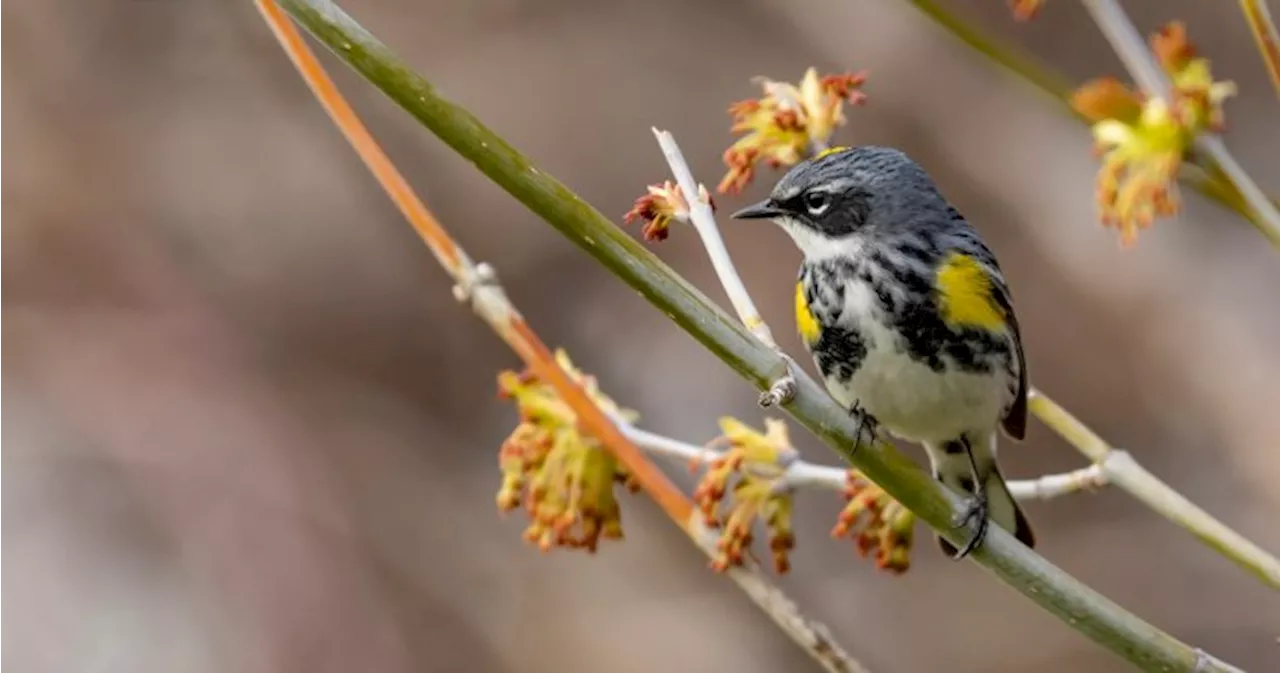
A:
[817,246]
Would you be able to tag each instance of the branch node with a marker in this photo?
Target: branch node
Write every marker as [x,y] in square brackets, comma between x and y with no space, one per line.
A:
[474,277]
[782,388]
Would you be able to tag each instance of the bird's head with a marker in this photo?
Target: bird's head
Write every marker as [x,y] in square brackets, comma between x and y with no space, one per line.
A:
[833,203]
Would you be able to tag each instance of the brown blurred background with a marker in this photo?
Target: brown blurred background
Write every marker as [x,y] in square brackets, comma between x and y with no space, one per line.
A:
[249,430]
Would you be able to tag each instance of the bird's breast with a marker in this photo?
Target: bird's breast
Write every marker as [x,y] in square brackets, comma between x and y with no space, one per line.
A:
[884,351]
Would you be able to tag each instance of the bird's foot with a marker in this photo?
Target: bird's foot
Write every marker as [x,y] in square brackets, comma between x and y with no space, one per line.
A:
[783,387]
[973,517]
[866,424]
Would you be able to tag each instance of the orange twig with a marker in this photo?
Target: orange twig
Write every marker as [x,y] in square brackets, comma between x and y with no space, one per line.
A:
[1264,34]
[475,283]
[508,323]
[497,310]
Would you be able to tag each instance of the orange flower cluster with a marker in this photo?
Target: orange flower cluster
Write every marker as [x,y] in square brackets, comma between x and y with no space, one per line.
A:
[1142,141]
[788,122]
[564,478]
[756,463]
[876,522]
[662,204]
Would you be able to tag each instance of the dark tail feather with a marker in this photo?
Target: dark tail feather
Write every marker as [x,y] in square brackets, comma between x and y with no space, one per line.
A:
[1004,511]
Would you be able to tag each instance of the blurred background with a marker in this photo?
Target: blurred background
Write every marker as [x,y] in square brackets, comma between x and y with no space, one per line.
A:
[249,429]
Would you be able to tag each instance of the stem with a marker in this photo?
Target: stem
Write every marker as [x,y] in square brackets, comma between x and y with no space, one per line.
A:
[1265,36]
[802,474]
[1077,605]
[477,284]
[1208,178]
[1122,470]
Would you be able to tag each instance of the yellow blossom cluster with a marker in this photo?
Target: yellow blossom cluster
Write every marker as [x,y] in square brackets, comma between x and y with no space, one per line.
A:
[563,477]
[788,122]
[1142,140]
[749,476]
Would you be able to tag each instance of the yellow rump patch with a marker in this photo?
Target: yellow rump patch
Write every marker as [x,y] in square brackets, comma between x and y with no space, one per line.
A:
[964,291]
[807,324]
[830,150]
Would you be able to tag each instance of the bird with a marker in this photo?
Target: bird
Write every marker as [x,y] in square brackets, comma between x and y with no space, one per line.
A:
[909,319]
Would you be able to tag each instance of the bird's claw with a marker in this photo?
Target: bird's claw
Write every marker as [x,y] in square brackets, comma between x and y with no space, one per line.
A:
[866,424]
[974,516]
[783,388]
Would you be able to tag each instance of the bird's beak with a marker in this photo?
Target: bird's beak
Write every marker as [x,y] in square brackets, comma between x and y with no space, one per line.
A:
[763,210]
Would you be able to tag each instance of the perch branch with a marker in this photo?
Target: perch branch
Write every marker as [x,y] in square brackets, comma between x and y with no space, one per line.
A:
[1077,605]
[477,285]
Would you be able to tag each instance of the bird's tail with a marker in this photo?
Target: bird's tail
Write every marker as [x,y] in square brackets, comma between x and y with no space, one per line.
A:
[951,466]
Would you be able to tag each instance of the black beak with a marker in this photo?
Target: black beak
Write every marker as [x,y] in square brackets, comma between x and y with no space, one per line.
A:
[764,209]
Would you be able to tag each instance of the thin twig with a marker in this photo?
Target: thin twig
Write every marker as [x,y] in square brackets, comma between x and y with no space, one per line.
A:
[803,474]
[1123,471]
[477,285]
[1076,604]
[704,222]
[1133,52]
[1265,36]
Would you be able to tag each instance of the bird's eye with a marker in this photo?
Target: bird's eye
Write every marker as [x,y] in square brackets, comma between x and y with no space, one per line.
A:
[817,202]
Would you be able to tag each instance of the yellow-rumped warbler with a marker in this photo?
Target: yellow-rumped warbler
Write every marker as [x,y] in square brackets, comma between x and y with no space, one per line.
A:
[908,317]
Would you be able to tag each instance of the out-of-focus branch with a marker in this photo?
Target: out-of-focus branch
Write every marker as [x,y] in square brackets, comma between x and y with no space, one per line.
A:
[802,474]
[1075,604]
[1120,469]
[477,285]
[1133,51]
[1212,172]
[1265,36]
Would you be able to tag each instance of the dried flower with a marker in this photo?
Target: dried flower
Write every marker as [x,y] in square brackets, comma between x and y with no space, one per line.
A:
[787,122]
[1142,141]
[757,462]
[1025,10]
[564,478]
[663,203]
[876,522]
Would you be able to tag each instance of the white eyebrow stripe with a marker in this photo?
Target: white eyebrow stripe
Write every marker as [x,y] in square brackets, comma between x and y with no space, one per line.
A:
[834,186]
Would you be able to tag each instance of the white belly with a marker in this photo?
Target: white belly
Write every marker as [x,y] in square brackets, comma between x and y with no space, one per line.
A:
[910,399]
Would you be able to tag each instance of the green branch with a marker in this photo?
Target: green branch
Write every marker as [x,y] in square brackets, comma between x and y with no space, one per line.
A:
[1076,604]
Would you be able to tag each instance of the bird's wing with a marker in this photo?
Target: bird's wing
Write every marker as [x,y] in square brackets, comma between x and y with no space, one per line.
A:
[1015,419]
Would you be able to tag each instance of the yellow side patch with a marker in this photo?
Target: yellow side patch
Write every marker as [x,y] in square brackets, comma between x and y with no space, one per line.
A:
[964,294]
[829,150]
[808,325]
